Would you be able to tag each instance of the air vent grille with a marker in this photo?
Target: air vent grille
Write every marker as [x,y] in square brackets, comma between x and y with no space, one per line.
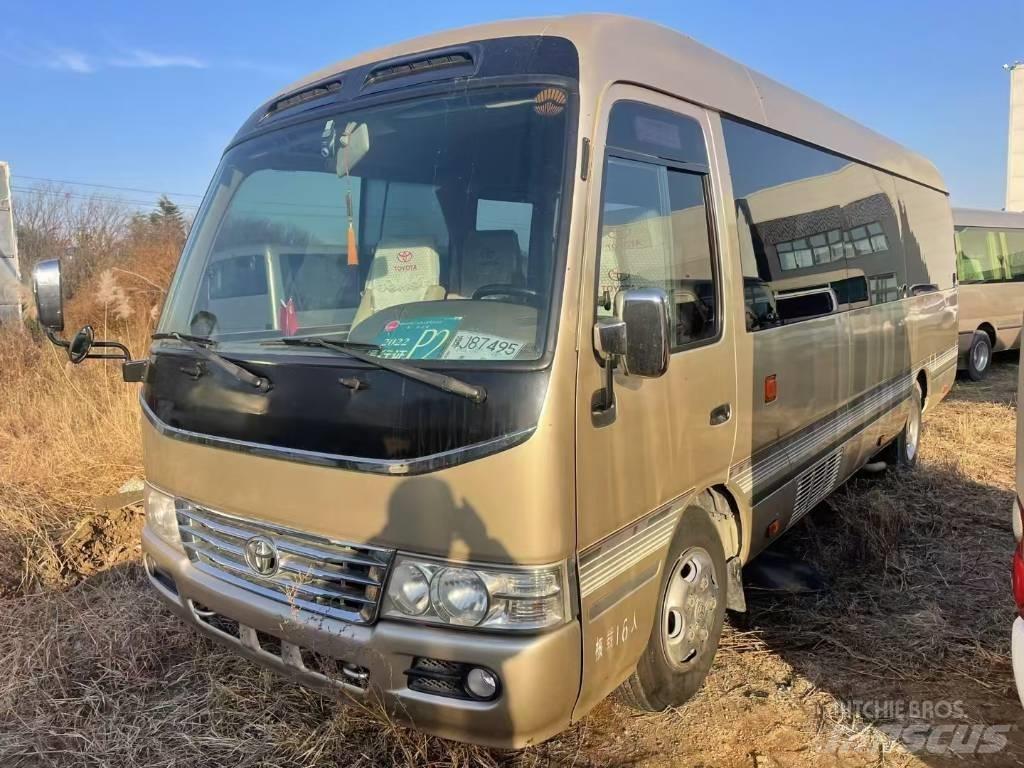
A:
[418,66]
[815,484]
[316,92]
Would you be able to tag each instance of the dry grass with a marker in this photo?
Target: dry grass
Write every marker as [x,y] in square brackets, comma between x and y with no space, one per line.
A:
[95,672]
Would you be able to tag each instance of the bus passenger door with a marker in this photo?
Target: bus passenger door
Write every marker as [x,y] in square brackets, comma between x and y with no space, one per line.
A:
[653,221]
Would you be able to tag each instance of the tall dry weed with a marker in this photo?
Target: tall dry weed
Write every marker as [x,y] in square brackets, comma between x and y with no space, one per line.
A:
[70,433]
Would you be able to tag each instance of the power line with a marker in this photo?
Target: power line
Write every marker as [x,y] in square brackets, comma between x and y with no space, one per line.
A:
[104,186]
[99,198]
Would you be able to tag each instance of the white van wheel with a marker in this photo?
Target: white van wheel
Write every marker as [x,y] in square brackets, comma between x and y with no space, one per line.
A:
[979,358]
[691,613]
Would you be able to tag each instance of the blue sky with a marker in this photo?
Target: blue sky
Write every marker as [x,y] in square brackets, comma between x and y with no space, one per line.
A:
[137,95]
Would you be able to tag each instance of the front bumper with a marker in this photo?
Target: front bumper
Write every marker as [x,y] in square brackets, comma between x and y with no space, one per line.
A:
[540,674]
[1017,651]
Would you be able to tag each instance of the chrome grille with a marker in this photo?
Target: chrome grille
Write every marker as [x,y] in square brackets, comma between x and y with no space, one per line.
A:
[341,581]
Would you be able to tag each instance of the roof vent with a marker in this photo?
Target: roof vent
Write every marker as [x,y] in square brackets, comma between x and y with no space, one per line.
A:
[418,66]
[294,99]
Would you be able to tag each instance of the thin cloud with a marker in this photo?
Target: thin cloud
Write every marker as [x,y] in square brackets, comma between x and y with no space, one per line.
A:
[85,63]
[71,61]
[144,59]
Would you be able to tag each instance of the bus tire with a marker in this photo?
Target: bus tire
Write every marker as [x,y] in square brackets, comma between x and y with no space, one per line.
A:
[903,451]
[691,612]
[979,357]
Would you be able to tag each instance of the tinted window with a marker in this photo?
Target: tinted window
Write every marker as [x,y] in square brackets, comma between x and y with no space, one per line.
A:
[658,132]
[654,233]
[813,227]
[236,277]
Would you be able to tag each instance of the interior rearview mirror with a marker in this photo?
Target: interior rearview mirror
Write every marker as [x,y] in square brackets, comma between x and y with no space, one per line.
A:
[353,144]
[46,288]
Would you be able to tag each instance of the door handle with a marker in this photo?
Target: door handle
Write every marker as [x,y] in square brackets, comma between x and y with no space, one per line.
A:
[721,414]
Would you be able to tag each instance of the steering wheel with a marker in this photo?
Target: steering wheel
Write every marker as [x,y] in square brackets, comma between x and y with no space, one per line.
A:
[526,296]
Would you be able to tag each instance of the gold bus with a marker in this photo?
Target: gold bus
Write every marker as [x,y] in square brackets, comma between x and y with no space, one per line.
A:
[493,356]
[1017,568]
[990,268]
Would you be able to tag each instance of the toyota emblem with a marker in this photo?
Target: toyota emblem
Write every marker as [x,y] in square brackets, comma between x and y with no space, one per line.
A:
[404,256]
[261,555]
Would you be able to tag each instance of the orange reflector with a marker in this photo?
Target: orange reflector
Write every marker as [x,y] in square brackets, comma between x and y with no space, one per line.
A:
[774,527]
[771,388]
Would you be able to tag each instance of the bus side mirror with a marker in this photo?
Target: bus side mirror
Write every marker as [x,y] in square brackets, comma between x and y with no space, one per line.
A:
[46,288]
[645,313]
[636,338]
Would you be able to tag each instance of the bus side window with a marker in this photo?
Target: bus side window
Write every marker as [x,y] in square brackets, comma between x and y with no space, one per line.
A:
[654,233]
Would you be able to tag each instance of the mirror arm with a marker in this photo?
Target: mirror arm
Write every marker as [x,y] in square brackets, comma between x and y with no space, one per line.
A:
[56,340]
[123,353]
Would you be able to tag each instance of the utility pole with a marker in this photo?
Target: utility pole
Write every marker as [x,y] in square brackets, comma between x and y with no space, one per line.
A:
[1015,148]
[10,276]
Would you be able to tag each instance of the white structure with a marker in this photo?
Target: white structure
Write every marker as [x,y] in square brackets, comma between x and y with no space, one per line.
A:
[10,280]
[1015,149]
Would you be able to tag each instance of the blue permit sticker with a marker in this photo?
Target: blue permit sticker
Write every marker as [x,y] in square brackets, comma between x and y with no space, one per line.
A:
[423,338]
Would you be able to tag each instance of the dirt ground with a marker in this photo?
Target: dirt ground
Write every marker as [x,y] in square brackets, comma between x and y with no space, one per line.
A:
[903,660]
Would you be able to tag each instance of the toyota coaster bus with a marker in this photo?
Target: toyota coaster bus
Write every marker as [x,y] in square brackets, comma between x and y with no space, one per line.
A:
[492,357]
[990,265]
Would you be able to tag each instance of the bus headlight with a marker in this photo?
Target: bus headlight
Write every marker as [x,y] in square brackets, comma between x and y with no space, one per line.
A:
[437,592]
[458,595]
[162,516]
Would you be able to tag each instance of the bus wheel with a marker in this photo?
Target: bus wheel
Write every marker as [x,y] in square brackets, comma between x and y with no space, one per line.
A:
[980,357]
[902,452]
[690,615]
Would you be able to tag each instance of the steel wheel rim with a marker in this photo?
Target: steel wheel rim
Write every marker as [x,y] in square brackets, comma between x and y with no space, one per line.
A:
[980,355]
[690,606]
[913,432]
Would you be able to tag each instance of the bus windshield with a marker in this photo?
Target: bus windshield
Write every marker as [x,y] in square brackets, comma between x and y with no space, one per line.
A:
[423,229]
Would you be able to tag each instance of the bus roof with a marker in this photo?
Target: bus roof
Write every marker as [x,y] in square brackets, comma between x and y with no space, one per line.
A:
[622,49]
[980,217]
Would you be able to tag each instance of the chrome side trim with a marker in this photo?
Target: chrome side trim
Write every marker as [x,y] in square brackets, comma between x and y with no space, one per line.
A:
[608,559]
[418,466]
[939,361]
[751,475]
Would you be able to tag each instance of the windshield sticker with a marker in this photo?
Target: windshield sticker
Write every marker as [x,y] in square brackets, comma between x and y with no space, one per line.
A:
[481,346]
[424,338]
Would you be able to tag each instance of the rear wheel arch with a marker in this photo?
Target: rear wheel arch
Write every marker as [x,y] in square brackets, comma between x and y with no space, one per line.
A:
[922,381]
[989,330]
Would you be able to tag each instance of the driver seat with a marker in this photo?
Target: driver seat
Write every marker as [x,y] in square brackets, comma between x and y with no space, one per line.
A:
[401,272]
[490,257]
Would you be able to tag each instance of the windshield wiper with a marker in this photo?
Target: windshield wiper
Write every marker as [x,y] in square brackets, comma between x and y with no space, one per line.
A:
[201,346]
[206,341]
[441,381]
